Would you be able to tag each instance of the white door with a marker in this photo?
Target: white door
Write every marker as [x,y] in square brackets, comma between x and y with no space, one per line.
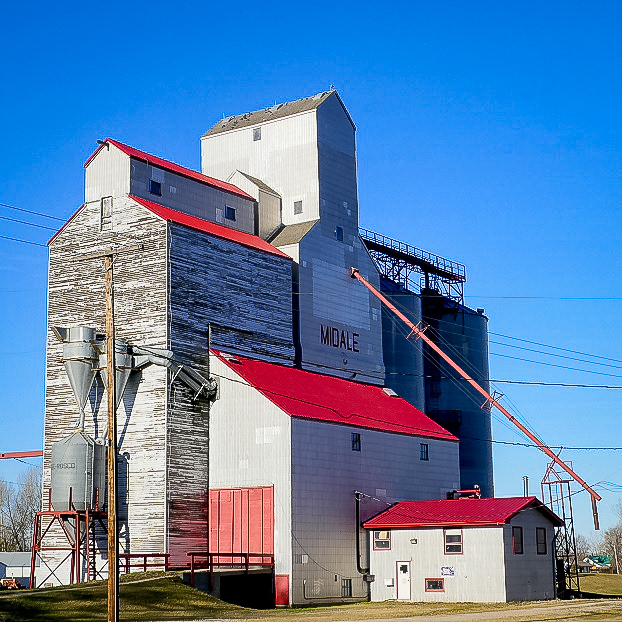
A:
[403,580]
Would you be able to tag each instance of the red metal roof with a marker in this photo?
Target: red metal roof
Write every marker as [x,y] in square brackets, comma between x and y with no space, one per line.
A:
[308,395]
[456,513]
[171,166]
[220,231]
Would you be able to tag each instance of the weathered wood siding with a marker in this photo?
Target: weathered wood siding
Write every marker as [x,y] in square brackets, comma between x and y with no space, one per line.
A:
[245,295]
[76,297]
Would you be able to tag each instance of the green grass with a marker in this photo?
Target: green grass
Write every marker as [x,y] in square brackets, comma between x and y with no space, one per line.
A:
[160,599]
[165,597]
[608,584]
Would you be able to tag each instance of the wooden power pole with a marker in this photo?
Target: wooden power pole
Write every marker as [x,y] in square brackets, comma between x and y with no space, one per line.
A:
[111,372]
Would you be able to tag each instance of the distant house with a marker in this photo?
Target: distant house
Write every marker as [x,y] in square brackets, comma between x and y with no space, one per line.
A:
[477,550]
[16,565]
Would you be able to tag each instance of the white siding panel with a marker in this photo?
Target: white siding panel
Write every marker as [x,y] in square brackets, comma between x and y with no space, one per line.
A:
[107,175]
[326,472]
[250,445]
[286,159]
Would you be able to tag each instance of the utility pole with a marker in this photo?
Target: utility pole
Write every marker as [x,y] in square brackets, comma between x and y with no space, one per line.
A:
[113,533]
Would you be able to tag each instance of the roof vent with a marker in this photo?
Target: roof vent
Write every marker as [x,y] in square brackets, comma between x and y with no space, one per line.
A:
[389,392]
[318,96]
[274,108]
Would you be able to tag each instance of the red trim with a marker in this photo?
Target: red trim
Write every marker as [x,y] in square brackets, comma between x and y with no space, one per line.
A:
[435,579]
[21,454]
[171,166]
[219,231]
[66,223]
[456,513]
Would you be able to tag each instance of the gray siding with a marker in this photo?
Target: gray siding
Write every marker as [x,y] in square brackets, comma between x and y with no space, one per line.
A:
[326,472]
[329,297]
[191,197]
[529,576]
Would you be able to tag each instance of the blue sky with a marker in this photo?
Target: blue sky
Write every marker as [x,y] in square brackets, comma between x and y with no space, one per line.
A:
[488,133]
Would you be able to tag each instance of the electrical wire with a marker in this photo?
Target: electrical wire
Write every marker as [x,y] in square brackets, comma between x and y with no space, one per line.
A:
[27,211]
[6,237]
[25,222]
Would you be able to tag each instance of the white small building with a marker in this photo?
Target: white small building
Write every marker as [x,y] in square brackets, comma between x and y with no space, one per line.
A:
[463,550]
[16,565]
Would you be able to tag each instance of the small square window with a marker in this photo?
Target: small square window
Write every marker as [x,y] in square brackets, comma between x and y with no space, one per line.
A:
[297,207]
[356,441]
[339,234]
[155,187]
[434,585]
[229,212]
[423,451]
[517,540]
[256,133]
[382,540]
[541,540]
[453,541]
[346,588]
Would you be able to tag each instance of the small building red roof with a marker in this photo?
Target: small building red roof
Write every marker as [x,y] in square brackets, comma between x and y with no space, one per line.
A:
[308,395]
[456,513]
[219,231]
[171,166]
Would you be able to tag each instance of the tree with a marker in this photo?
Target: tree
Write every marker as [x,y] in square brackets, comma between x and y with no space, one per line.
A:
[585,547]
[18,505]
[611,542]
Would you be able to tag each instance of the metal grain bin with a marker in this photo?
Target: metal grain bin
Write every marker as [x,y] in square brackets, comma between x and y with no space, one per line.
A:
[403,358]
[78,473]
[462,333]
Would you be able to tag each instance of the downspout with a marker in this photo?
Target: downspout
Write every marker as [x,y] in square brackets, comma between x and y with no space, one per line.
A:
[357,503]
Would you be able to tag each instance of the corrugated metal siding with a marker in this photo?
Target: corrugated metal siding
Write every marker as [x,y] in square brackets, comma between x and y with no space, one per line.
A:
[190,197]
[250,446]
[478,574]
[107,175]
[286,159]
[529,576]
[329,297]
[325,472]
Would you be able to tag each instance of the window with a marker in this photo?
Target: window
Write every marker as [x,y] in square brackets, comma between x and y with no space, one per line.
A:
[346,588]
[105,220]
[229,212]
[434,585]
[517,540]
[382,540]
[541,540]
[155,187]
[297,207]
[339,234]
[356,441]
[453,541]
[256,133]
[423,451]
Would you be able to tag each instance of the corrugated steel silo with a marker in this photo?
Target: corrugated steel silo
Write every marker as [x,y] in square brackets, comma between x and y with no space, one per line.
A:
[403,358]
[462,333]
[78,473]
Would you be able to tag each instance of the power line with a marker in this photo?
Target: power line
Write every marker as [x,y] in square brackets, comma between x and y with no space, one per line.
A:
[6,237]
[27,211]
[25,222]
[585,371]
